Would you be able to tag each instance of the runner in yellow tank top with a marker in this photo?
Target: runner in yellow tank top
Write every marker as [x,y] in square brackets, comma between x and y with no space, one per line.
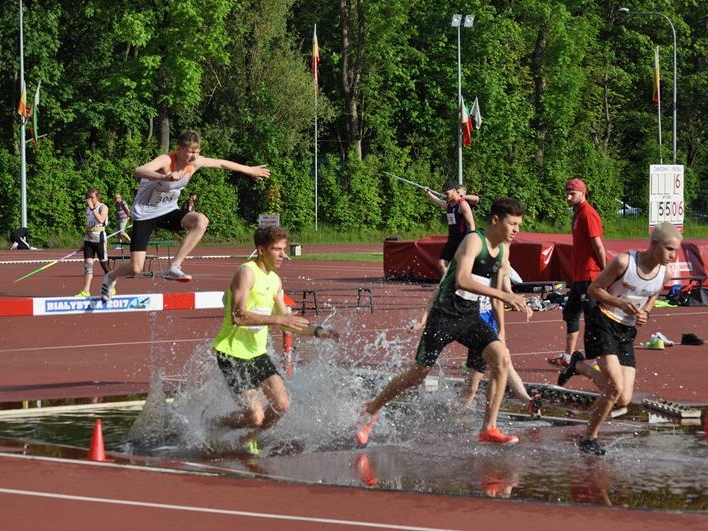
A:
[254,301]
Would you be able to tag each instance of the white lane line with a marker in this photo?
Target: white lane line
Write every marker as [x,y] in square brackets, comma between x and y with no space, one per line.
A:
[119,344]
[209,510]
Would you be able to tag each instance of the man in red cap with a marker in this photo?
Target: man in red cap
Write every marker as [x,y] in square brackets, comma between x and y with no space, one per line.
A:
[587,260]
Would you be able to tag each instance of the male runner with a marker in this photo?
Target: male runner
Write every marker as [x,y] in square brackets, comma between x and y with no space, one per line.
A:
[455,316]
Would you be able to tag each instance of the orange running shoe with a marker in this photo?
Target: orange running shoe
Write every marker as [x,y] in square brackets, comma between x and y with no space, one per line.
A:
[364,424]
[494,435]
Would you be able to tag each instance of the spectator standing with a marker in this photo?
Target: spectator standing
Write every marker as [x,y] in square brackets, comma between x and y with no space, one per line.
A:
[94,238]
[122,217]
[588,258]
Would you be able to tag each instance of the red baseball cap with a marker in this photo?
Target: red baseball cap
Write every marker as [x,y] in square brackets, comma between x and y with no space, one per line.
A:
[575,185]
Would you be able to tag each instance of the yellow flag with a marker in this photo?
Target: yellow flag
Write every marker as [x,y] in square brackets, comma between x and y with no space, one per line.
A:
[656,96]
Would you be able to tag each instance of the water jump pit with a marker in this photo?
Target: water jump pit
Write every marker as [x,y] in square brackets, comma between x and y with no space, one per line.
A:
[423,442]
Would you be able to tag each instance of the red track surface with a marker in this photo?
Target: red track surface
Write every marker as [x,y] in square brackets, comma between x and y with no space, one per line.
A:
[102,355]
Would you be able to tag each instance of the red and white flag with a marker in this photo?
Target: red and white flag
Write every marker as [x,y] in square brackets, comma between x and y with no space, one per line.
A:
[465,124]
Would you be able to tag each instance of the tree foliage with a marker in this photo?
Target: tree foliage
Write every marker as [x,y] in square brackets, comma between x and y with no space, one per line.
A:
[564,86]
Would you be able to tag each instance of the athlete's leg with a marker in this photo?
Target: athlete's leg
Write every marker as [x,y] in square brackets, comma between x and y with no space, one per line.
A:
[410,378]
[196,225]
[278,399]
[516,384]
[611,383]
[88,275]
[495,356]
[470,387]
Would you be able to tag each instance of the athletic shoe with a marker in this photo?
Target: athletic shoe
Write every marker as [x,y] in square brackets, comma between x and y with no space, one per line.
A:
[364,471]
[569,371]
[83,294]
[118,247]
[252,447]
[534,405]
[494,435]
[666,340]
[108,288]
[654,344]
[559,360]
[176,273]
[364,424]
[618,412]
[589,445]
[691,339]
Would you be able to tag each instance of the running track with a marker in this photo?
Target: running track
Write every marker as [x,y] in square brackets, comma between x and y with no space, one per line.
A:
[102,355]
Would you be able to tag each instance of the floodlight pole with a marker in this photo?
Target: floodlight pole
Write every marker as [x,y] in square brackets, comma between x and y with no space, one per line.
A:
[625,11]
[457,22]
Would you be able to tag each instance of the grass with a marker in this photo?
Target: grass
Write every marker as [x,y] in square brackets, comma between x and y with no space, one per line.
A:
[342,257]
[629,228]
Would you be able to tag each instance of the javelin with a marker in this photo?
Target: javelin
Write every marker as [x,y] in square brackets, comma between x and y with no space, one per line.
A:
[413,183]
[55,262]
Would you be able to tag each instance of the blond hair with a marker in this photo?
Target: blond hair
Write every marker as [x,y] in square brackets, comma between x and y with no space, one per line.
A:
[665,231]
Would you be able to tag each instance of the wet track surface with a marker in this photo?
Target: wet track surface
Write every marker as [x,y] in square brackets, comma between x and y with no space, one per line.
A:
[421,444]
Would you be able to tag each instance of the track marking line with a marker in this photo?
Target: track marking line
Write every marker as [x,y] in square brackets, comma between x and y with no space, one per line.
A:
[190,508]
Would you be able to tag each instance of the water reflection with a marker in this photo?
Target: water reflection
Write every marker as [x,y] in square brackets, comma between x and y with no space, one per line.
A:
[423,443]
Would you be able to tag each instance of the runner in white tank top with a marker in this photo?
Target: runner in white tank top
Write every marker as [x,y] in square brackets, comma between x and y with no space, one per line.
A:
[155,205]
[625,292]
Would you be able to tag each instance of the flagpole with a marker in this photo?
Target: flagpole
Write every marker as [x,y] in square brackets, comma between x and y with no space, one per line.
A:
[23,121]
[459,108]
[457,21]
[315,60]
[658,102]
[315,160]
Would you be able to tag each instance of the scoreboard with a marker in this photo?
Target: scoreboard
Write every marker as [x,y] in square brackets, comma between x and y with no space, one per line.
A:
[666,195]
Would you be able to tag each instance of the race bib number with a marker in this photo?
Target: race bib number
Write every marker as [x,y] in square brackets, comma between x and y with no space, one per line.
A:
[159,197]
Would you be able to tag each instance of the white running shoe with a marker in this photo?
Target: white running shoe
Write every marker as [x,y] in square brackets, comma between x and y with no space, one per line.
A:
[108,288]
[662,337]
[176,273]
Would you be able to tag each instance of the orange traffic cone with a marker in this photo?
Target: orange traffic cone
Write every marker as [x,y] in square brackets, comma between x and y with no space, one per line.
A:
[96,450]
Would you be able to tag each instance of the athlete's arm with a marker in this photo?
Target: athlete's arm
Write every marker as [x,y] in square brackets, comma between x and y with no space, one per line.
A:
[466,254]
[101,213]
[471,198]
[466,211]
[598,287]
[598,250]
[498,305]
[158,169]
[257,172]
[643,316]
[241,285]
[434,198]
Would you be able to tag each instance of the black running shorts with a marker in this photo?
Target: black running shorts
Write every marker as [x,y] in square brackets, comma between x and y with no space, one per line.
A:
[604,336]
[242,375]
[441,329]
[143,229]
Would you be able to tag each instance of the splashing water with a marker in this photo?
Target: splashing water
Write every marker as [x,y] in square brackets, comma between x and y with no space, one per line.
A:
[331,382]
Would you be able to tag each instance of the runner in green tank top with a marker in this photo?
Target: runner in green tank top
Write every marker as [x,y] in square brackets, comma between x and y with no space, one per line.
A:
[455,316]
